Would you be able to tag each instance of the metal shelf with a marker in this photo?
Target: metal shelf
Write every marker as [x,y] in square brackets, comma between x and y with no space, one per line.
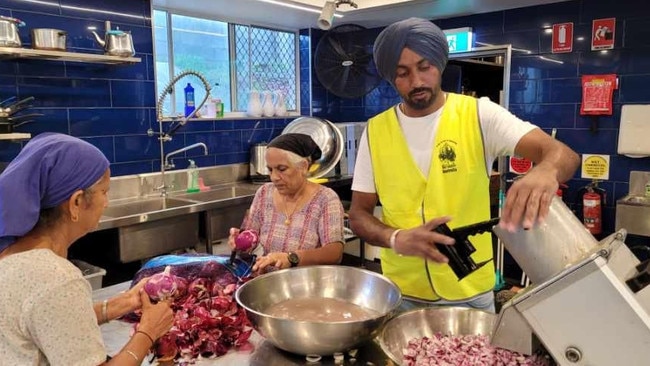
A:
[15,136]
[13,52]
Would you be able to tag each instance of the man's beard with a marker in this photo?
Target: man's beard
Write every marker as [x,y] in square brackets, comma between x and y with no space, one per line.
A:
[420,104]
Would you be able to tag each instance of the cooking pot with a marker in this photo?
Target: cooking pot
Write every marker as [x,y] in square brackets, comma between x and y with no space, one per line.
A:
[257,168]
[48,39]
[9,36]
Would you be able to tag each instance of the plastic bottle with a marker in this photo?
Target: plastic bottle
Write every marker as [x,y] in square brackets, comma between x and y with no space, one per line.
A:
[189,99]
[192,177]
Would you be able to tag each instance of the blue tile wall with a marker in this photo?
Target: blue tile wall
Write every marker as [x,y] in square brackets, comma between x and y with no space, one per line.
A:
[113,106]
[556,104]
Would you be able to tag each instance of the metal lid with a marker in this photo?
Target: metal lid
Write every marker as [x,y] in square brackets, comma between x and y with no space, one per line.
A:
[326,135]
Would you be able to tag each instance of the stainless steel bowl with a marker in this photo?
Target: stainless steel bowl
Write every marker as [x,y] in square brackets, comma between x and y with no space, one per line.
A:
[326,135]
[358,286]
[427,322]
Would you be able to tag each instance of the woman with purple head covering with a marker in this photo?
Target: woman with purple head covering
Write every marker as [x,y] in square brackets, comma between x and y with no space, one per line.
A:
[51,194]
[428,160]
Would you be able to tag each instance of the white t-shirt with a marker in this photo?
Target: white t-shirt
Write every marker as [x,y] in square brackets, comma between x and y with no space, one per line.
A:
[501,132]
[47,312]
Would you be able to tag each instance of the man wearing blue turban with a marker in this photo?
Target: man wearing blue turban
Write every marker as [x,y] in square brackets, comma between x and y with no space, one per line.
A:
[428,160]
[51,194]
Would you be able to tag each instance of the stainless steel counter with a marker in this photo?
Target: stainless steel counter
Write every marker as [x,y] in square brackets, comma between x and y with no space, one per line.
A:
[116,335]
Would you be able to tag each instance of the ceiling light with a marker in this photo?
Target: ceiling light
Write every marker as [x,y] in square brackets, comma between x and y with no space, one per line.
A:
[580,39]
[298,7]
[548,30]
[551,60]
[327,15]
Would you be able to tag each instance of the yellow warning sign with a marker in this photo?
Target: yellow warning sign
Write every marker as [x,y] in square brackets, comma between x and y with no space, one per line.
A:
[595,166]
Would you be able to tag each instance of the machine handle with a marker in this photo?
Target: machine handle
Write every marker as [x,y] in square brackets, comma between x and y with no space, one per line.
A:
[459,254]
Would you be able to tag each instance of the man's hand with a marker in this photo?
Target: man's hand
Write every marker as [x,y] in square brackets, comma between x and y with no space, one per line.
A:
[529,198]
[420,241]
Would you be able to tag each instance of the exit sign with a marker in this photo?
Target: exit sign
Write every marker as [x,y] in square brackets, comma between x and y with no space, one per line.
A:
[460,39]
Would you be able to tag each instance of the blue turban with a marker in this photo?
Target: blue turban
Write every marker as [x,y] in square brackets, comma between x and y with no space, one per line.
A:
[419,35]
[46,172]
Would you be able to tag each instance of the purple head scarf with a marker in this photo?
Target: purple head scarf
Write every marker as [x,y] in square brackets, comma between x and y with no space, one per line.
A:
[419,35]
[46,172]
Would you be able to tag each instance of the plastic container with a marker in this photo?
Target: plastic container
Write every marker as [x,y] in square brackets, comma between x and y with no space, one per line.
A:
[93,274]
[189,99]
[192,178]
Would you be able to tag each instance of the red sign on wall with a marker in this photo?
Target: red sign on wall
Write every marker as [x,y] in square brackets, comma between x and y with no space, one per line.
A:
[562,38]
[602,34]
[520,165]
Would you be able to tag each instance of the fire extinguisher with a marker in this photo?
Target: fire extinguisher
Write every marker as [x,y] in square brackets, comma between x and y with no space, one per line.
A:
[592,208]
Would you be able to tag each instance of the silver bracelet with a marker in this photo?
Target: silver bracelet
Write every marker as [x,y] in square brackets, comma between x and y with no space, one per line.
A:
[105,311]
[393,237]
[137,359]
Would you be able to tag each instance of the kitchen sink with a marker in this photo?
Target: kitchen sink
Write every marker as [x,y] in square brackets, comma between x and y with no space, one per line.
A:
[141,206]
[220,194]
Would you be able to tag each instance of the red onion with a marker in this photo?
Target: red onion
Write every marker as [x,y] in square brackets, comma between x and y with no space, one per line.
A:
[246,239]
[162,286]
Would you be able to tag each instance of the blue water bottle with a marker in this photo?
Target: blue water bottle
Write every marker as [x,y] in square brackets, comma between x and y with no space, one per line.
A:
[189,99]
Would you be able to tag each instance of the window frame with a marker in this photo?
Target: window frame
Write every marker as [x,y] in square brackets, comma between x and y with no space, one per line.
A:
[231,54]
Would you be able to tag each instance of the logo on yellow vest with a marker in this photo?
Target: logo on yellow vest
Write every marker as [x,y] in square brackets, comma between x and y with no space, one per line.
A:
[447,156]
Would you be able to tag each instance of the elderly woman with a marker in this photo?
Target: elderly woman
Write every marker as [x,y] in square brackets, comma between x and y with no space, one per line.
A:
[299,222]
[52,194]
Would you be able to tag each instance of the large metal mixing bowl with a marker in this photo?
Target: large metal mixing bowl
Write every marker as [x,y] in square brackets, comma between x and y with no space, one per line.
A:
[358,286]
[326,135]
[427,322]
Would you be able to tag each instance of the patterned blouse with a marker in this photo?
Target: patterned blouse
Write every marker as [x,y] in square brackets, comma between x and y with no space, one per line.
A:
[317,223]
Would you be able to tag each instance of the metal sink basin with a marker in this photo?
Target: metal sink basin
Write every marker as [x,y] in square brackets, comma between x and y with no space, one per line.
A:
[143,206]
[219,194]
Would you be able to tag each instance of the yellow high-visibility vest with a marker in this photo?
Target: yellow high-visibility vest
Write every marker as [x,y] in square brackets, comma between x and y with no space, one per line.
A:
[457,185]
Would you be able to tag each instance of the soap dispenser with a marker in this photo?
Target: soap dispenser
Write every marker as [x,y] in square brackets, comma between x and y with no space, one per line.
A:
[192,177]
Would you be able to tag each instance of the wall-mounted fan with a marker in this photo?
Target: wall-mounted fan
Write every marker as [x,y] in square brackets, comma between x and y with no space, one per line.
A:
[344,63]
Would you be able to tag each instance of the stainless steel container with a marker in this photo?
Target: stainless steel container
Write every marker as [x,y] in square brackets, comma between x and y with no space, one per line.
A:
[358,286]
[551,246]
[48,39]
[258,171]
[427,322]
[9,36]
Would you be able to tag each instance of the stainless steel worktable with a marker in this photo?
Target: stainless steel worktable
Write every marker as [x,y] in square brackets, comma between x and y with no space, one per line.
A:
[116,334]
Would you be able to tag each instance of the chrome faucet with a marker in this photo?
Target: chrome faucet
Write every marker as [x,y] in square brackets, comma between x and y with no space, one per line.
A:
[171,165]
[175,125]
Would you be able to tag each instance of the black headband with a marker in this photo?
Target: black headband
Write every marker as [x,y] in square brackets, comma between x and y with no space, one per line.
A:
[298,143]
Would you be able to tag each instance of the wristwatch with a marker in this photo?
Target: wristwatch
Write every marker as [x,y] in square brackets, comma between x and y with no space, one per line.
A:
[293,259]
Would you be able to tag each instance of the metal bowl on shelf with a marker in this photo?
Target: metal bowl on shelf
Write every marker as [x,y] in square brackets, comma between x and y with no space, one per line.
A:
[326,135]
[426,322]
[360,287]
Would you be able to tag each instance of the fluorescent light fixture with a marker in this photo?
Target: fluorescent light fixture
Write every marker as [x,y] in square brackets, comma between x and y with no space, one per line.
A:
[299,7]
[78,8]
[550,60]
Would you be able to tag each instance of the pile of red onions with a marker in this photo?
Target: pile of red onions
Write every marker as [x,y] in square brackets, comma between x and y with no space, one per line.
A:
[207,320]
[467,350]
